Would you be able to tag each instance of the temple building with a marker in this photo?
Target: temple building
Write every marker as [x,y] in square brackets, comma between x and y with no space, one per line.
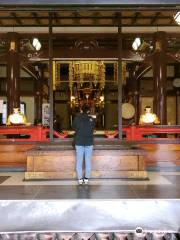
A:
[122,60]
[84,55]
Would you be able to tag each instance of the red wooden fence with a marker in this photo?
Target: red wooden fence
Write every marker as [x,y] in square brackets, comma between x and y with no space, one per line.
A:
[131,133]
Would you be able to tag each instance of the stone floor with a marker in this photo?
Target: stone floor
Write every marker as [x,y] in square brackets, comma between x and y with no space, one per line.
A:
[89,216]
[161,185]
[106,205]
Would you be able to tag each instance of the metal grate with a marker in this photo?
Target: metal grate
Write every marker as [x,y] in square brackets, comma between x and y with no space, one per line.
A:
[134,235]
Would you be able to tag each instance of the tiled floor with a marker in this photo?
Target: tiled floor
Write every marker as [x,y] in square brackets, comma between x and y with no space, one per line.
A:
[3,178]
[161,185]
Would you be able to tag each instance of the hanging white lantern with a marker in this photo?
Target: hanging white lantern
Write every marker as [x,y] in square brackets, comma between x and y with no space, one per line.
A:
[177,18]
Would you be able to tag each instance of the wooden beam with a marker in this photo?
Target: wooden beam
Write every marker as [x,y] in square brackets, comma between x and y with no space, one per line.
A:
[134,19]
[113,24]
[34,14]
[76,18]
[56,18]
[116,5]
[97,36]
[17,19]
[155,17]
[77,15]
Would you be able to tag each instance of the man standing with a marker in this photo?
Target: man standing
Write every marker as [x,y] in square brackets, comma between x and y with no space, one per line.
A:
[83,125]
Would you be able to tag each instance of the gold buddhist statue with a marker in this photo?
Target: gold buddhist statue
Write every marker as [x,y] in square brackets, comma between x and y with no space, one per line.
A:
[16,118]
[148,117]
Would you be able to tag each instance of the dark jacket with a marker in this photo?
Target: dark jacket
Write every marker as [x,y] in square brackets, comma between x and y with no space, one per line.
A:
[84,127]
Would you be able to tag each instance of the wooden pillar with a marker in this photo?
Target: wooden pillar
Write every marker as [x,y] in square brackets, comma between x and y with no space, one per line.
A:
[133,90]
[119,78]
[160,76]
[39,95]
[51,100]
[177,90]
[13,73]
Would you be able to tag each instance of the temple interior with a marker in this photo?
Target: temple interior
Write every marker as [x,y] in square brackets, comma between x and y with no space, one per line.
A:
[122,60]
[93,80]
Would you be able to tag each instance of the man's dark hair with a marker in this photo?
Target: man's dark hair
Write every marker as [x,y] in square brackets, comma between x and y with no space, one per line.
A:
[85,108]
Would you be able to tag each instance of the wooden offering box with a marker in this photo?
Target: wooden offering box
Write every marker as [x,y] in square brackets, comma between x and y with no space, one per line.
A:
[110,160]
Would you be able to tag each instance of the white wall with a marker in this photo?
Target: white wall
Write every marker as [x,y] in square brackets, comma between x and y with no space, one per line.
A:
[29,101]
[30,109]
[170,72]
[3,71]
[145,101]
[171,110]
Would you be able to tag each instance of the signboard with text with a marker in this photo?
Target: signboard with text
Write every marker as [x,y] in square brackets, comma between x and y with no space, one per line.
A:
[45,114]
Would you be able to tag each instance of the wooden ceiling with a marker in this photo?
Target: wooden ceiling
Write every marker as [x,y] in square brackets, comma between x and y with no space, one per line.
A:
[87,18]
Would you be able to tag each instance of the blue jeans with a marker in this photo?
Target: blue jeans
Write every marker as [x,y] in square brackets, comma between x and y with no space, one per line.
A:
[82,151]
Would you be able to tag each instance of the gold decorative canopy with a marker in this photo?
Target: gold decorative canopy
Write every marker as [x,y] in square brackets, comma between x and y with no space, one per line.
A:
[87,71]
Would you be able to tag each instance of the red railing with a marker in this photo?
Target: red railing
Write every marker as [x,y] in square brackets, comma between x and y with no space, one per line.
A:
[27,134]
[131,133]
[147,133]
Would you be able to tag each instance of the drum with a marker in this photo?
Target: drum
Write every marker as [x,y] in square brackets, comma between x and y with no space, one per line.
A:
[128,110]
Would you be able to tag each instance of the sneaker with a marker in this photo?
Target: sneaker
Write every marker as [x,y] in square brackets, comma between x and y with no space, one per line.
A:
[86,180]
[80,181]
